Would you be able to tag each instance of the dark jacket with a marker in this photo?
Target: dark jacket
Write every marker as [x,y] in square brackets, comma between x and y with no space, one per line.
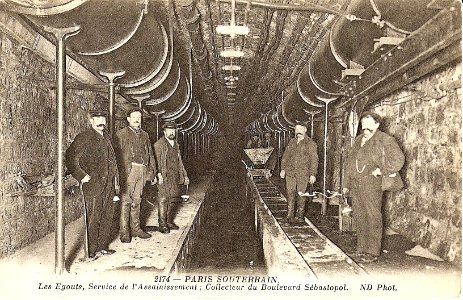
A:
[124,153]
[160,149]
[300,161]
[92,154]
[362,161]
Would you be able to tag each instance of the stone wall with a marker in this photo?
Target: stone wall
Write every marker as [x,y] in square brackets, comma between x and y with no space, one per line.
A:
[28,142]
[428,127]
[425,118]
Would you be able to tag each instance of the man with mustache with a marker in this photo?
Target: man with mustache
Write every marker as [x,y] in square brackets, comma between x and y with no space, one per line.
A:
[299,165]
[137,165]
[373,155]
[171,173]
[91,160]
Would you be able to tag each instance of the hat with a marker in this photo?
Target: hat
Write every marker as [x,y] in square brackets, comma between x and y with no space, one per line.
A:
[170,125]
[132,110]
[300,123]
[97,113]
[371,114]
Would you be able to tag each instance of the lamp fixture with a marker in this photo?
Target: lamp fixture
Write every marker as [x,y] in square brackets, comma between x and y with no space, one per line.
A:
[232,30]
[231,68]
[231,53]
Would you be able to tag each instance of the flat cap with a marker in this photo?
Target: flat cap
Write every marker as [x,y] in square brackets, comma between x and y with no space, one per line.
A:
[132,110]
[170,125]
[97,113]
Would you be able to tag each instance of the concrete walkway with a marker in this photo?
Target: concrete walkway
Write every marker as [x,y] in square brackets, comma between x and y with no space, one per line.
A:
[29,269]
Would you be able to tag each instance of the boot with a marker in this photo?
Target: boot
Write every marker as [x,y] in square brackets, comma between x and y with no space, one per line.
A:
[290,216]
[170,223]
[163,207]
[124,230]
[300,210]
[135,222]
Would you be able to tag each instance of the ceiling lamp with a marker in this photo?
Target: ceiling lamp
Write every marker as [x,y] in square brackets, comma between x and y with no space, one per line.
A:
[231,78]
[231,94]
[231,68]
[232,30]
[231,86]
[230,83]
[231,53]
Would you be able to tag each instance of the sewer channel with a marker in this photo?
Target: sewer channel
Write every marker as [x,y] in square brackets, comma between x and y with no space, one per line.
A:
[227,241]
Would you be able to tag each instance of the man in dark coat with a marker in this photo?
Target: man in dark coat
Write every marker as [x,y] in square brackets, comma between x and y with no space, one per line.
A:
[364,168]
[171,173]
[137,165]
[299,165]
[91,160]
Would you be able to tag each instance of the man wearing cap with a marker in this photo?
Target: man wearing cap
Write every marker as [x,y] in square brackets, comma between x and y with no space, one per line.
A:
[91,160]
[171,173]
[299,165]
[137,165]
[373,155]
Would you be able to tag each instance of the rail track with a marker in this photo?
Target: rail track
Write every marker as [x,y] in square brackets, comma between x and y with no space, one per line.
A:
[323,257]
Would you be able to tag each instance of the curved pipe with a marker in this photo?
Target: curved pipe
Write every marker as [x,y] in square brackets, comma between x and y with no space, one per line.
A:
[190,116]
[378,13]
[305,98]
[15,6]
[202,124]
[159,67]
[276,122]
[285,117]
[121,43]
[157,79]
[336,54]
[289,125]
[169,94]
[196,122]
[183,109]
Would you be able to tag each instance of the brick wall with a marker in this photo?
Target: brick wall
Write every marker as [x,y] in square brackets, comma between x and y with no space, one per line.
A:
[28,141]
[426,121]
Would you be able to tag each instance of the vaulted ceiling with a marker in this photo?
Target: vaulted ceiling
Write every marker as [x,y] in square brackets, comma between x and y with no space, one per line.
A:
[175,61]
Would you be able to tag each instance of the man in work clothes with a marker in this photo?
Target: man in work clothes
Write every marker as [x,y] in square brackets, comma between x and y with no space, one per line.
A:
[91,160]
[299,165]
[171,173]
[364,168]
[137,165]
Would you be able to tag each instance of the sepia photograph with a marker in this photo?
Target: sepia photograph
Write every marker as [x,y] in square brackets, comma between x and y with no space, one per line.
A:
[230,149]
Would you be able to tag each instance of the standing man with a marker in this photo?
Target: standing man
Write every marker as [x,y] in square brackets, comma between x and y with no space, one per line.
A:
[91,160]
[171,174]
[137,165]
[299,165]
[373,155]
